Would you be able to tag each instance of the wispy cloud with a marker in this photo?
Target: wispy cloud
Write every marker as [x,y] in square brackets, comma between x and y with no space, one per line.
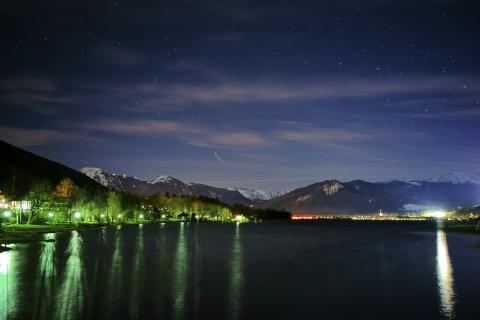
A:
[210,87]
[331,137]
[38,137]
[453,113]
[35,92]
[223,91]
[188,132]
[201,135]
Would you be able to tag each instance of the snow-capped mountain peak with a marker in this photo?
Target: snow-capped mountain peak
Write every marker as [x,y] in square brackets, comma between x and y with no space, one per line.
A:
[258,195]
[102,177]
[450,177]
[457,178]
[89,171]
[164,179]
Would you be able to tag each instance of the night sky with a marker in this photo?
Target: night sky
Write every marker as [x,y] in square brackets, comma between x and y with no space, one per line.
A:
[269,94]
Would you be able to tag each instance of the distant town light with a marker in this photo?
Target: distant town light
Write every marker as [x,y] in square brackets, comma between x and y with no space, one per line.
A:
[50,215]
[119,216]
[438,214]
[141,216]
[78,215]
[102,215]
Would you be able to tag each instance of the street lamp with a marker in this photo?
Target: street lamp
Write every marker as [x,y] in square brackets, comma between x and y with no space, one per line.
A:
[141,216]
[50,215]
[78,215]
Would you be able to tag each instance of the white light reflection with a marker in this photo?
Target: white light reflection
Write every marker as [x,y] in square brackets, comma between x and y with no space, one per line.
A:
[71,295]
[137,276]
[45,280]
[236,276]
[8,285]
[446,290]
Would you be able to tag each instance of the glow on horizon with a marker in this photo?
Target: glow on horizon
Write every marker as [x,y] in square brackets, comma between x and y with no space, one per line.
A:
[438,214]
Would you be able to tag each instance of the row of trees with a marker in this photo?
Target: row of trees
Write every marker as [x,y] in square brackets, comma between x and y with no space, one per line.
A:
[66,202]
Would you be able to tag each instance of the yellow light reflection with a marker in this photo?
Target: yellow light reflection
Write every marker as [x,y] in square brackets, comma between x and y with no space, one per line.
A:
[446,289]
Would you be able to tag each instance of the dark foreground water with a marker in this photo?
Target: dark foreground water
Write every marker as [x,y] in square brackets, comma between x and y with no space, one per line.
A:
[290,270]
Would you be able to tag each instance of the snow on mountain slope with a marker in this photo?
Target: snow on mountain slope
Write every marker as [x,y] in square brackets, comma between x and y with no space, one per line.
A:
[164,179]
[102,177]
[162,184]
[258,195]
[451,177]
[457,178]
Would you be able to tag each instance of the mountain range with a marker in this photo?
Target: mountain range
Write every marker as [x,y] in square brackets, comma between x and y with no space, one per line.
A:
[19,168]
[358,196]
[327,197]
[163,184]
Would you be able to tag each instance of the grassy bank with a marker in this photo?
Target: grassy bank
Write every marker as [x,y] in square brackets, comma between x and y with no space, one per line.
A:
[31,233]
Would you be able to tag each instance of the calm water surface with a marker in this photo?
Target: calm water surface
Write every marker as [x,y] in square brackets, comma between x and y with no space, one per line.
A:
[289,270]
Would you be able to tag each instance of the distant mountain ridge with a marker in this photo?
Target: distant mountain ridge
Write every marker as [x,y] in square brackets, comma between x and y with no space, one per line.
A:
[163,184]
[457,178]
[327,197]
[358,196]
[257,194]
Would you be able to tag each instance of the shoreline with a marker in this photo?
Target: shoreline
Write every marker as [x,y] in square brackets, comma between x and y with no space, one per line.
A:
[22,233]
[13,234]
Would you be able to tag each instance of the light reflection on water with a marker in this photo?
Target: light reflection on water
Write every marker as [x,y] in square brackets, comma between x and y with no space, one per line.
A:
[8,284]
[446,289]
[45,280]
[137,276]
[179,287]
[236,276]
[218,271]
[114,281]
[71,296]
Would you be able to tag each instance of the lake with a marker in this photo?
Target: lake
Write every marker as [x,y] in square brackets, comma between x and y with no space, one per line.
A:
[277,270]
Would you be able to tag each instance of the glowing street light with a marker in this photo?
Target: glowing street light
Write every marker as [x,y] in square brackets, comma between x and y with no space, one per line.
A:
[7,214]
[119,216]
[102,215]
[78,215]
[50,214]
[141,216]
